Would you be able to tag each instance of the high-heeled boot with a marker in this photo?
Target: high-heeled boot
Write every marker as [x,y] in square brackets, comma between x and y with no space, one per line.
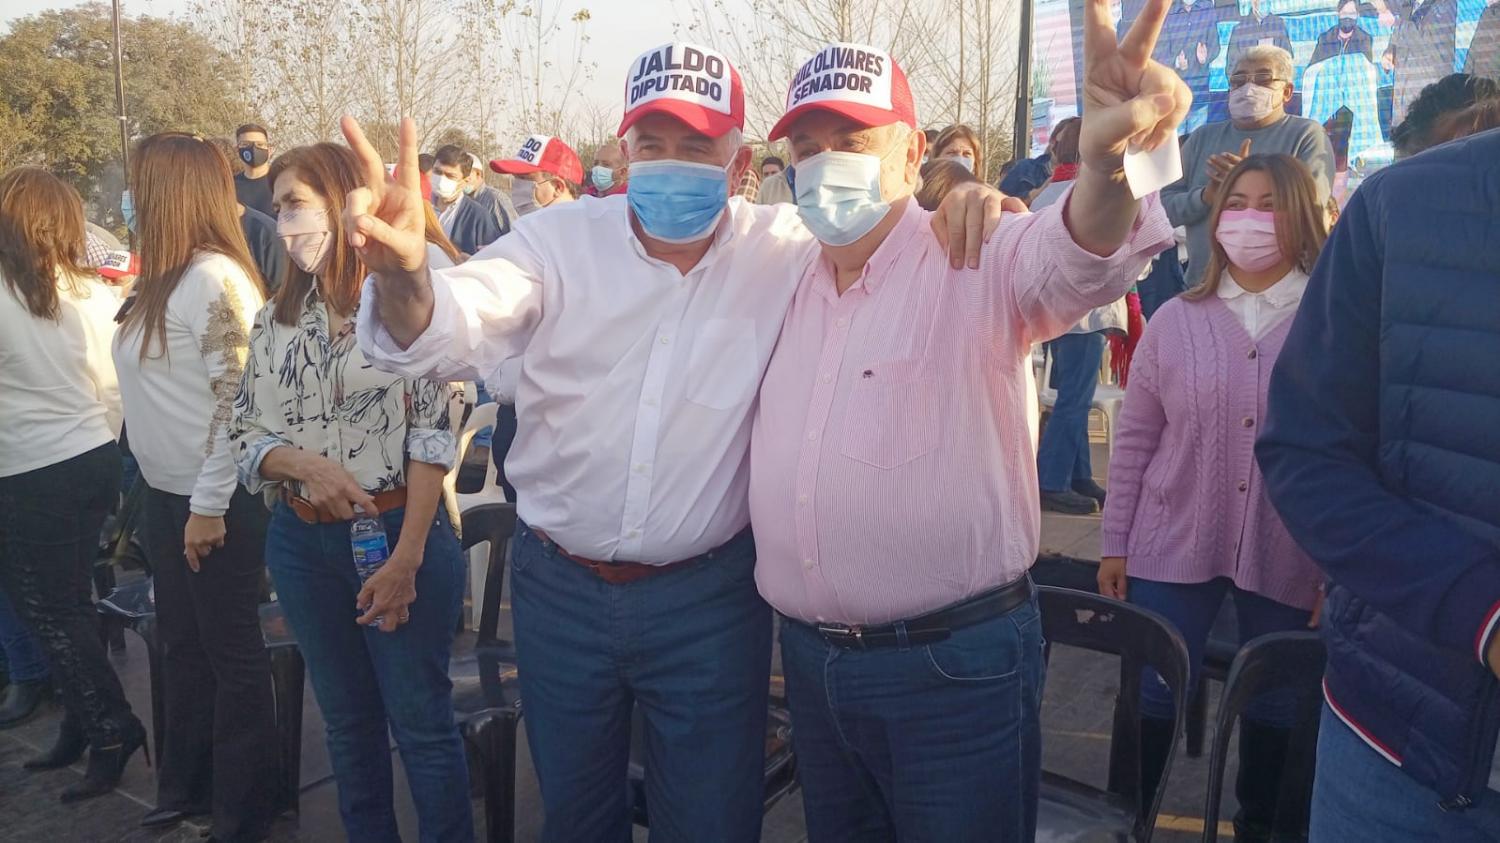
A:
[107,764]
[68,748]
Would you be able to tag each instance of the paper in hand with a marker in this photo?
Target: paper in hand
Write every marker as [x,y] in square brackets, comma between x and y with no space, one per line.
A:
[1148,172]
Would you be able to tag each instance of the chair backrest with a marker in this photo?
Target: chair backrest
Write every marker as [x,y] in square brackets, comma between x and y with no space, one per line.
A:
[1141,639]
[494,523]
[1282,661]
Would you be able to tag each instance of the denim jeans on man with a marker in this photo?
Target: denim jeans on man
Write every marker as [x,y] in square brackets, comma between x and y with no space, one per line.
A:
[24,661]
[366,680]
[691,647]
[1062,459]
[940,743]
[1358,795]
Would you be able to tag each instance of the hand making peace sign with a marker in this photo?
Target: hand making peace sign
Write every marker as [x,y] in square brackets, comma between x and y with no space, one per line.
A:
[384,219]
[1127,97]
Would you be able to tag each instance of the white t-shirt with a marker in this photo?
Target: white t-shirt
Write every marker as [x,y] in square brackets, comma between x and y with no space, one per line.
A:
[58,394]
[178,405]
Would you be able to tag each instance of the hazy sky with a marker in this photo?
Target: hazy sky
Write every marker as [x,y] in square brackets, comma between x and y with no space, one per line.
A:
[620,31]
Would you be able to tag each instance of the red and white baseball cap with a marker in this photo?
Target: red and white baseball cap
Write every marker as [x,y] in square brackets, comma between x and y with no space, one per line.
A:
[120,264]
[856,81]
[694,84]
[542,154]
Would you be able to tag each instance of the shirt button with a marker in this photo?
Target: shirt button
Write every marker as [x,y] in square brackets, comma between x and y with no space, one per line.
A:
[828,379]
[802,499]
[663,340]
[812,435]
[632,534]
[1253,354]
[808,564]
[842,322]
[1244,485]
[1248,422]
[640,468]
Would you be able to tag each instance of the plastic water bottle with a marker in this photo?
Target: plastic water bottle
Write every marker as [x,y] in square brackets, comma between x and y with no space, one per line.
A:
[367,540]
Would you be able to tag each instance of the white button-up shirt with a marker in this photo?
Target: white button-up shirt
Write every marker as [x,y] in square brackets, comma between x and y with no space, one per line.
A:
[637,383]
[1260,312]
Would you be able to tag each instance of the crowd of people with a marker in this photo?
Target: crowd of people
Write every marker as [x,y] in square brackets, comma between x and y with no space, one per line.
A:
[834,347]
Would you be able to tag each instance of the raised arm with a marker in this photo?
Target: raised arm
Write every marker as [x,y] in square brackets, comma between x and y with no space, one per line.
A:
[1128,99]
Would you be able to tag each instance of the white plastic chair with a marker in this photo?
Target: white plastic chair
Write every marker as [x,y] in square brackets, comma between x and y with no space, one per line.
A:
[1108,396]
[483,416]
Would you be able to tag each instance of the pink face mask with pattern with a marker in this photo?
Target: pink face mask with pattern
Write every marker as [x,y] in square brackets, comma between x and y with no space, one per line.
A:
[307,236]
[1249,239]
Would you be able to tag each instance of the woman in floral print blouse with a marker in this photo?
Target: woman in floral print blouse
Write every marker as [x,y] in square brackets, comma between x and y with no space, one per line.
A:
[321,434]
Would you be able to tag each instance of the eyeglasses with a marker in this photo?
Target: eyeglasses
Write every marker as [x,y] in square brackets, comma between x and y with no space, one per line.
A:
[1259,77]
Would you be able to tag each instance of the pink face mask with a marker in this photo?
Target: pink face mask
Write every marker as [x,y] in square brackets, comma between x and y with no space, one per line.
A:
[1249,239]
[307,237]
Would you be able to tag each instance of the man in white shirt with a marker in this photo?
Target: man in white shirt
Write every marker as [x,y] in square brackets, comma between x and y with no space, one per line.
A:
[640,360]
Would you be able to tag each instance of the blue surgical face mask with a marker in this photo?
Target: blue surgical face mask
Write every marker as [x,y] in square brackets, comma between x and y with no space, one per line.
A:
[127,210]
[966,163]
[602,176]
[677,201]
[838,196]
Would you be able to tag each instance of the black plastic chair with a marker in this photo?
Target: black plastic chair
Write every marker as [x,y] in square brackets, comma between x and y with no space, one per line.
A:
[133,606]
[486,694]
[1218,655]
[781,764]
[1290,661]
[1072,810]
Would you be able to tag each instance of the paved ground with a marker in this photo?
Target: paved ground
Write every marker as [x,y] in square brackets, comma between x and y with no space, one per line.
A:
[1079,696]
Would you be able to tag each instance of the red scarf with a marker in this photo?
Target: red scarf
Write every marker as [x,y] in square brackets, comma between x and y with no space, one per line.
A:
[1065,172]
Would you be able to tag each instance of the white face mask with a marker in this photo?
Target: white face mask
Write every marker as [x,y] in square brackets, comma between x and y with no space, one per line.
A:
[838,196]
[1253,102]
[447,189]
[966,163]
[523,195]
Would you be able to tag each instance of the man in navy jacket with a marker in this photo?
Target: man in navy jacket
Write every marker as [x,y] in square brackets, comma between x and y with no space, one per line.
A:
[1382,455]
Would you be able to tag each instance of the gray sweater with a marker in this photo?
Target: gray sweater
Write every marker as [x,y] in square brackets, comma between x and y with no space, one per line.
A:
[1298,137]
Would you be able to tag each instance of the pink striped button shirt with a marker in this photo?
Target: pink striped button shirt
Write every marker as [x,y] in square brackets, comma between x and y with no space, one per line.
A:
[892,460]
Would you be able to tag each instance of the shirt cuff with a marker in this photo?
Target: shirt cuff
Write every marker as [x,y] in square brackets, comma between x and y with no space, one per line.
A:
[251,455]
[426,351]
[1150,235]
[434,447]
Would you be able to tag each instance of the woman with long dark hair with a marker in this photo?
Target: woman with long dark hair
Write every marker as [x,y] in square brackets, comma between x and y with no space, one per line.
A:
[331,439]
[179,352]
[1188,519]
[59,465]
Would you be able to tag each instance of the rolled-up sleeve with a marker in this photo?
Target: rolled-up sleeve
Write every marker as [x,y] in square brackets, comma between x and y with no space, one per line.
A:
[429,433]
[1044,282]
[484,313]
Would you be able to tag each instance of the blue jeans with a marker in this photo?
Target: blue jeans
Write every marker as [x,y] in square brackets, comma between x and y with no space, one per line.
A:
[24,661]
[1062,459]
[691,647]
[1165,280]
[367,681]
[941,742]
[1192,607]
[1359,795]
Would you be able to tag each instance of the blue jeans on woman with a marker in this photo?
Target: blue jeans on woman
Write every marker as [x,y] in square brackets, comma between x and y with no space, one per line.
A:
[24,661]
[1062,459]
[367,681]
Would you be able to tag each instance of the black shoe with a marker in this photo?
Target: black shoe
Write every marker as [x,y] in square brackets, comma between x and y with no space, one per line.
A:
[1090,489]
[71,742]
[1068,503]
[163,817]
[20,701]
[107,765]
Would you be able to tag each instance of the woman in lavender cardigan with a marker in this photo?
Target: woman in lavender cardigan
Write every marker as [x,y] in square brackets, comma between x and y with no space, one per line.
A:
[1187,518]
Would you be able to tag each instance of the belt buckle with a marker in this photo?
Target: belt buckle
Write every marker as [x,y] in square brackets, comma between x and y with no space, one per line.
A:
[846,636]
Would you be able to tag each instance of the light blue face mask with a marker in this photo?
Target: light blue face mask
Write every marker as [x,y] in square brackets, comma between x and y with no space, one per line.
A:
[838,196]
[677,201]
[127,210]
[966,163]
[602,176]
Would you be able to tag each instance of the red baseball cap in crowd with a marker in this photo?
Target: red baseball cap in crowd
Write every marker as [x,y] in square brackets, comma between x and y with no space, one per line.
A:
[542,154]
[856,81]
[694,84]
[120,264]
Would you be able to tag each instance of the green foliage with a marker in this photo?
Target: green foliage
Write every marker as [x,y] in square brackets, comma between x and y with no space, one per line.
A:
[57,105]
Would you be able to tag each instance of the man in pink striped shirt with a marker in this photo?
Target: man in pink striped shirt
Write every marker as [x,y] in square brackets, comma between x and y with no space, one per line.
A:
[893,485]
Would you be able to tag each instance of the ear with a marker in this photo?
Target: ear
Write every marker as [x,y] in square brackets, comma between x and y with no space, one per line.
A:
[1291,88]
[737,165]
[916,147]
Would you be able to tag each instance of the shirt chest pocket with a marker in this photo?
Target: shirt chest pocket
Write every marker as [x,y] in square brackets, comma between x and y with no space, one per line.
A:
[723,368]
[891,417]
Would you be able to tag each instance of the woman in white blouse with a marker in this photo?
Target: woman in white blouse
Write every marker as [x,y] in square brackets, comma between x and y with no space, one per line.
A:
[321,432]
[179,353]
[59,465]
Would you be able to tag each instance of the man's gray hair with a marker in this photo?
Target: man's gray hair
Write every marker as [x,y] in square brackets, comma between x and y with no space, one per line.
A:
[1279,60]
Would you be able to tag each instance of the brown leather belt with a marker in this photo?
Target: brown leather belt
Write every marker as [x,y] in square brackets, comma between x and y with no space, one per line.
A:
[305,509]
[615,573]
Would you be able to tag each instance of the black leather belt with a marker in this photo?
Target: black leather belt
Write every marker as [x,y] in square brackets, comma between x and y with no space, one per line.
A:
[932,627]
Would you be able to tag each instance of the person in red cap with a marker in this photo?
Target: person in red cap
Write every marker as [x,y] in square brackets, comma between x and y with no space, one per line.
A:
[893,469]
[547,172]
[642,324]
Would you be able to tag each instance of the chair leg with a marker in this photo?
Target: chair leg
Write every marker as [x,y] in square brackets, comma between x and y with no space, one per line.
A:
[1197,719]
[146,629]
[288,677]
[496,738]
